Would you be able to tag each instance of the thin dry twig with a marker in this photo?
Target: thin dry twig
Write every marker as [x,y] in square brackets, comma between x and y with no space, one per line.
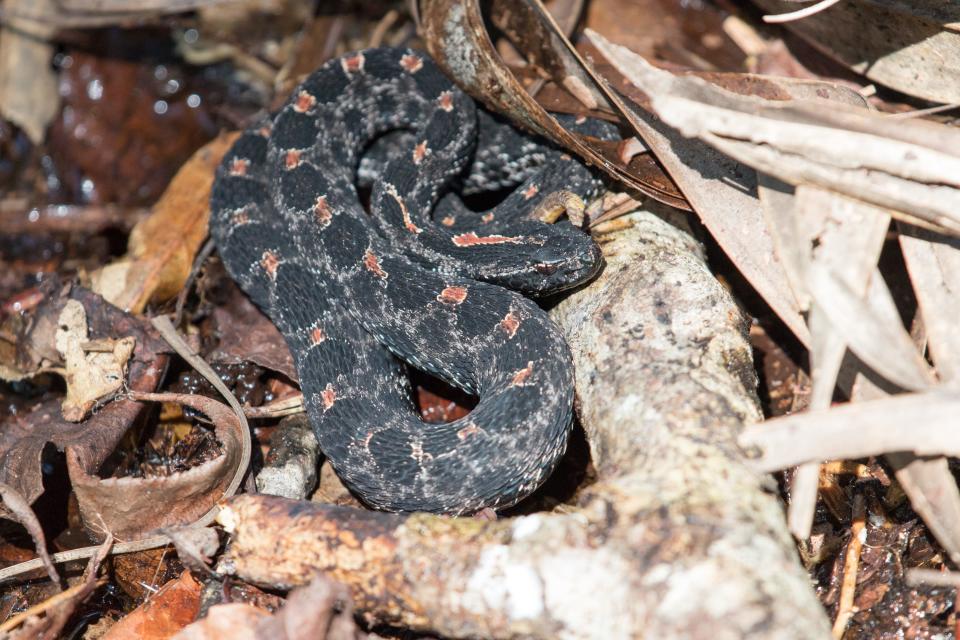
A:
[917,577]
[388,20]
[277,409]
[917,113]
[850,566]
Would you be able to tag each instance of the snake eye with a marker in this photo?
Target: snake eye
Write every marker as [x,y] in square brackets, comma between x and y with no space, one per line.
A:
[546,268]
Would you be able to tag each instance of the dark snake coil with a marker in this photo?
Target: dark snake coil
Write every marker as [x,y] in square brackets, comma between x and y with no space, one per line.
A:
[350,290]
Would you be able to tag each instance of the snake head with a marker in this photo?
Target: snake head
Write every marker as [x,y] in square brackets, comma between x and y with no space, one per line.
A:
[552,258]
[564,263]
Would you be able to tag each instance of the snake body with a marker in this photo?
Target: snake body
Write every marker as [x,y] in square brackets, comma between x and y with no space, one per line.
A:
[352,292]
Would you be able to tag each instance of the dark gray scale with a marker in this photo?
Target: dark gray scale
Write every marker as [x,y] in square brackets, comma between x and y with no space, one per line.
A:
[347,297]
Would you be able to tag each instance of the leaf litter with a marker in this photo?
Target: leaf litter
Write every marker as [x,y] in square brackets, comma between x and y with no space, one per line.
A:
[804,187]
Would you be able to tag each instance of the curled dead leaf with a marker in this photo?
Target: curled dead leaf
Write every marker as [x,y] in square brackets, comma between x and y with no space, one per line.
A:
[456,36]
[127,507]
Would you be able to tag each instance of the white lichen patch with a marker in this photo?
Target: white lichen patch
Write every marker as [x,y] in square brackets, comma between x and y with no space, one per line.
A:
[459,46]
[502,583]
[526,526]
[585,594]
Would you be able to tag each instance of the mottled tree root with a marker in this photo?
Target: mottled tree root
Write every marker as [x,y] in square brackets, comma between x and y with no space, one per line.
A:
[678,538]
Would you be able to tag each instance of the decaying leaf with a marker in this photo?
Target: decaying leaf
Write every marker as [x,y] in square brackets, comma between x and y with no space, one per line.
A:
[93,369]
[28,83]
[161,248]
[913,47]
[24,436]
[169,610]
[126,507]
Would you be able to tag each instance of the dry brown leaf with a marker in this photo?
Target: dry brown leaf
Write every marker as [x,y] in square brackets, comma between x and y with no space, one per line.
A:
[28,83]
[872,329]
[127,507]
[168,611]
[913,47]
[924,423]
[93,370]
[933,262]
[247,335]
[161,248]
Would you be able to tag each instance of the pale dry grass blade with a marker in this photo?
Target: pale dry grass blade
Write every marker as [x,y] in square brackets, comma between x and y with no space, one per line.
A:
[872,328]
[922,423]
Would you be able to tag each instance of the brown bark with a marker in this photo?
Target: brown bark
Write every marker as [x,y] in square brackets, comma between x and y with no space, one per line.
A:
[678,538]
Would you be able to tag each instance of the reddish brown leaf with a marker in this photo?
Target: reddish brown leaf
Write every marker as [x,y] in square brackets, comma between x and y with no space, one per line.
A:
[246,335]
[172,608]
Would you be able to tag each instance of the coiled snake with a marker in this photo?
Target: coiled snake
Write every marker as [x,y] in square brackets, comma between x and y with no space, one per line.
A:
[350,290]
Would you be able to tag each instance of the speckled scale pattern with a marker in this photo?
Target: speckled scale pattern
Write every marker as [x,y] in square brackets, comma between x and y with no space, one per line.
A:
[352,292]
